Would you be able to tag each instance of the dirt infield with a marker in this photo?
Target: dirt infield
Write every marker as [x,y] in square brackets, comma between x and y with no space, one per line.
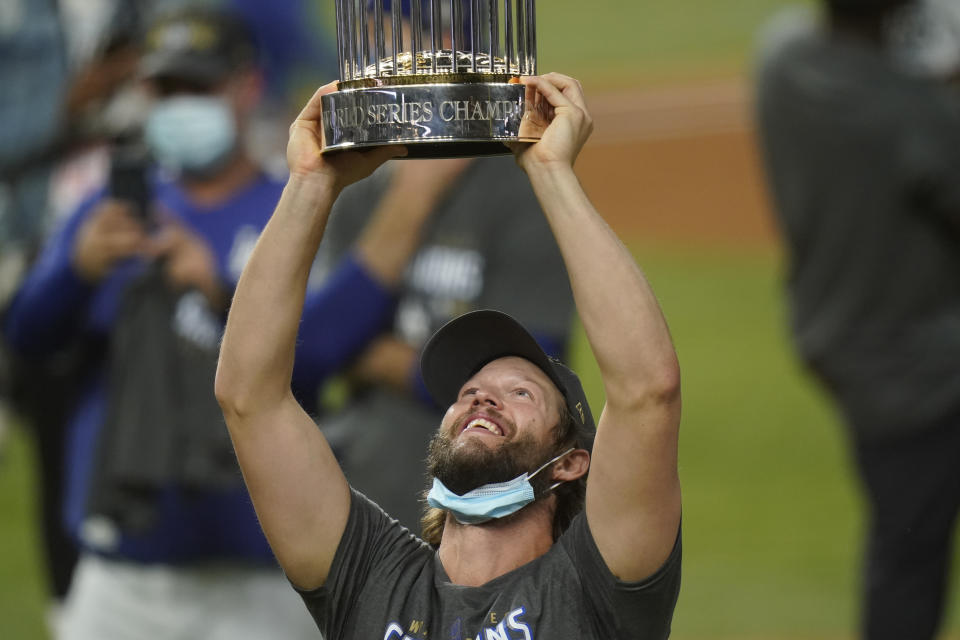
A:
[678,164]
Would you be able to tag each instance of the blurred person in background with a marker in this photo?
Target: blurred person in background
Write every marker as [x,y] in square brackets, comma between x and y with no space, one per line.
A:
[294,57]
[49,87]
[33,68]
[68,69]
[925,39]
[861,138]
[140,274]
[33,72]
[407,249]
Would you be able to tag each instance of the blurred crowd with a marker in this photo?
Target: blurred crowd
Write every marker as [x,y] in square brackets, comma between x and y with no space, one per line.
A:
[858,111]
[142,154]
[87,84]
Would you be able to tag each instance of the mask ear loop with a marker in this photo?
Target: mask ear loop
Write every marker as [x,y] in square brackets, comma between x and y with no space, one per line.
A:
[547,464]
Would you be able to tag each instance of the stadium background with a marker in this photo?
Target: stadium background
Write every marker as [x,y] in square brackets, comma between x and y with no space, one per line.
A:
[772,515]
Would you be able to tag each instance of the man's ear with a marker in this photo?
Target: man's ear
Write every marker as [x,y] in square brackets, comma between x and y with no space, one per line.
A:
[571,466]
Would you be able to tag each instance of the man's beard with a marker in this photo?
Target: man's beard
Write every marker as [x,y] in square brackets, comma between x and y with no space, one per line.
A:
[464,468]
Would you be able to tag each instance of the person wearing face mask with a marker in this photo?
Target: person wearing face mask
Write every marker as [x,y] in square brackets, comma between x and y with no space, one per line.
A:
[140,274]
[520,542]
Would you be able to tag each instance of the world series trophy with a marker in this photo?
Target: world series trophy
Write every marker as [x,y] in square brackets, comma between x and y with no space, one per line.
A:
[439,76]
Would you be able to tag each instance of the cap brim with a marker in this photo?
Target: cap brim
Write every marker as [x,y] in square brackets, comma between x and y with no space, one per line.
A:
[464,345]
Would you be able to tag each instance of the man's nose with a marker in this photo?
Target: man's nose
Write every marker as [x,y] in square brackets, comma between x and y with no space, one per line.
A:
[483,397]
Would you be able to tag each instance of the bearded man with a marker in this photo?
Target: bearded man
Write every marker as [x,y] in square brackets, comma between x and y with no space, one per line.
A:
[516,544]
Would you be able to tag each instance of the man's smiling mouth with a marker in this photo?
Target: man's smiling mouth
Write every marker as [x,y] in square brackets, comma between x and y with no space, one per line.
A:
[483,423]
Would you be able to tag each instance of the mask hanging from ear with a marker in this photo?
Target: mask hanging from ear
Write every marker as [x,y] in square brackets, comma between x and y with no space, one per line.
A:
[489,501]
[194,135]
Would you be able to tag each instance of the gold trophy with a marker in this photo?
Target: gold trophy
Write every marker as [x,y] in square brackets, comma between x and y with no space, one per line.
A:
[439,76]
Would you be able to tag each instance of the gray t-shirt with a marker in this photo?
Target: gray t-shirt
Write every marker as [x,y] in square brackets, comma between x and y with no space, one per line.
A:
[864,167]
[387,583]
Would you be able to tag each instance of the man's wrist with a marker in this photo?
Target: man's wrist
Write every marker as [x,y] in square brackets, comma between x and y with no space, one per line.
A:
[313,185]
[549,173]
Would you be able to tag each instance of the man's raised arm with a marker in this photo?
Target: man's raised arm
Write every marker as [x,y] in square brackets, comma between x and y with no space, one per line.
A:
[633,491]
[298,490]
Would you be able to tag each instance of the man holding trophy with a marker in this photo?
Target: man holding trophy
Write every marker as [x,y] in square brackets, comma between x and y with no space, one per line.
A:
[523,545]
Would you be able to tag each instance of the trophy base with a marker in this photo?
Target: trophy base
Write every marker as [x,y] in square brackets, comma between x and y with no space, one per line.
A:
[419,149]
[440,119]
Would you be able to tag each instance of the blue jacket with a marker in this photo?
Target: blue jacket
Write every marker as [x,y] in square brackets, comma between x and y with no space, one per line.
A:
[54,307]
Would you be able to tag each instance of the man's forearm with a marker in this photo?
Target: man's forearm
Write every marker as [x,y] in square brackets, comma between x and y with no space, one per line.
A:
[257,355]
[353,308]
[393,235]
[283,456]
[633,495]
[619,312]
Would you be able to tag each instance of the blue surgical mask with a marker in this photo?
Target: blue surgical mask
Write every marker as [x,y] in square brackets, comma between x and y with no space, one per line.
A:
[191,134]
[494,500]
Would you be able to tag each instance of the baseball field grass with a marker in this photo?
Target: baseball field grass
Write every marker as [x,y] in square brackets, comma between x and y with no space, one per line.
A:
[22,598]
